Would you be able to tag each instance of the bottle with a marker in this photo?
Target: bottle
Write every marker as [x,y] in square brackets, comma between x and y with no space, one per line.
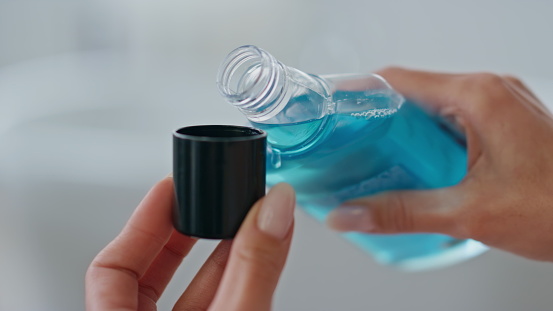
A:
[339,137]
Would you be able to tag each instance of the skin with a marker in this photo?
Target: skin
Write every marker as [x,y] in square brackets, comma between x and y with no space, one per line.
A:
[504,201]
[506,198]
[132,272]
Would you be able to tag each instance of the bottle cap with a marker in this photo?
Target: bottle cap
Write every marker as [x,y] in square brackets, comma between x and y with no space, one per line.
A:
[219,173]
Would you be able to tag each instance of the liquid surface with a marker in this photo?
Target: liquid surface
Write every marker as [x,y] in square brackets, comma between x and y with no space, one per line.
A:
[357,153]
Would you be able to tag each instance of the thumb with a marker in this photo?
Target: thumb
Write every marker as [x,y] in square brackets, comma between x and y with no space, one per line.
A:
[399,211]
[258,254]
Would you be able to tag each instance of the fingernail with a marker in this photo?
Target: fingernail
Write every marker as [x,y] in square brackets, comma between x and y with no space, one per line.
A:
[277,211]
[351,218]
[170,175]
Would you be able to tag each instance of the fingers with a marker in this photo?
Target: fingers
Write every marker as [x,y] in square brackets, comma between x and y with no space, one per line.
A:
[154,281]
[442,91]
[202,289]
[400,212]
[258,254]
[484,101]
[112,278]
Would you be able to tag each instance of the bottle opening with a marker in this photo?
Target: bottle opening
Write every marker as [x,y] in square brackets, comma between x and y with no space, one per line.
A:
[250,79]
[219,133]
[239,72]
[244,74]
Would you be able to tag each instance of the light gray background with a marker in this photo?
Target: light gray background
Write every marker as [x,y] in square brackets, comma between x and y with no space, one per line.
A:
[91,90]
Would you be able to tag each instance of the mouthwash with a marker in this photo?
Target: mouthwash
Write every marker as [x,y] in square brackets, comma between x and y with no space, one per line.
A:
[336,138]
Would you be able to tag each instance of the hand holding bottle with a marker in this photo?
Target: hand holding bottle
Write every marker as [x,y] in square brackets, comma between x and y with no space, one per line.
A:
[505,199]
[344,136]
[132,272]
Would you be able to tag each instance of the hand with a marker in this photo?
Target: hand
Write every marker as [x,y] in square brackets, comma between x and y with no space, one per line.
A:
[506,198]
[134,269]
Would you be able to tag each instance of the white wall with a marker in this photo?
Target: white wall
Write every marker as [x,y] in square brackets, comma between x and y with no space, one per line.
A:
[91,90]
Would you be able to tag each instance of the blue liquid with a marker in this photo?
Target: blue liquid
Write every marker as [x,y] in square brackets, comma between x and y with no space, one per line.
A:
[349,155]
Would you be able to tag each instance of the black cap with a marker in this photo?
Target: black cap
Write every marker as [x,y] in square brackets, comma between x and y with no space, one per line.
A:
[219,173]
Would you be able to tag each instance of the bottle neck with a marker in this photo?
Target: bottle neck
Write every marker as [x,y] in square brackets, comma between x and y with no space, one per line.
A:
[268,92]
[253,81]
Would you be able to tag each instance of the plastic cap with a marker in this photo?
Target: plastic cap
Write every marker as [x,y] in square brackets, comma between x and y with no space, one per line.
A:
[219,173]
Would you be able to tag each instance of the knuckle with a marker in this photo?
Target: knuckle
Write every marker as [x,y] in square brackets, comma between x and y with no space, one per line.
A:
[218,260]
[487,78]
[395,216]
[483,92]
[486,83]
[261,257]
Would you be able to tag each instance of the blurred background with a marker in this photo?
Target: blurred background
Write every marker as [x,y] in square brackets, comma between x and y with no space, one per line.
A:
[91,90]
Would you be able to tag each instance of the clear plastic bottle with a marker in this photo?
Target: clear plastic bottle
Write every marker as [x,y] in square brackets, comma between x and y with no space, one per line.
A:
[339,137]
